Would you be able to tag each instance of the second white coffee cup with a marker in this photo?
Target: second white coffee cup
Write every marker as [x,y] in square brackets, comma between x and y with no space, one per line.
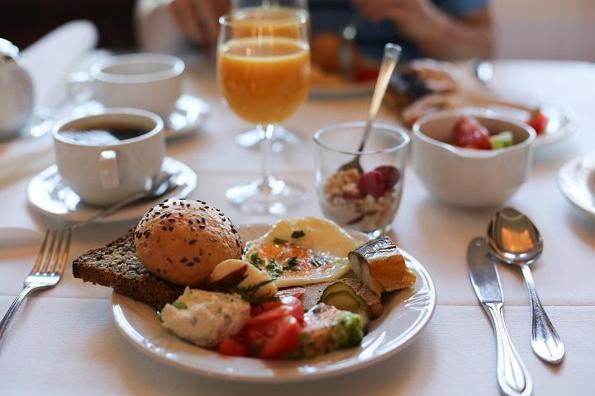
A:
[107,157]
[151,82]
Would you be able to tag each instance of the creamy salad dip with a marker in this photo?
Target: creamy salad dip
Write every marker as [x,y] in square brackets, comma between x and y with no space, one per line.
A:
[205,318]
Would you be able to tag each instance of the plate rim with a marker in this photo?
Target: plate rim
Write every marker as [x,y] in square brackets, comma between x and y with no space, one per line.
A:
[415,329]
[564,178]
[568,128]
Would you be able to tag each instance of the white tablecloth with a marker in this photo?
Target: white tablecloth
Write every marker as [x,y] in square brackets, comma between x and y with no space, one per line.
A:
[64,340]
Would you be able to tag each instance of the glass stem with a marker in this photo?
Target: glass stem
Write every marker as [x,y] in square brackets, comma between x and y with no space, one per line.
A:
[266,132]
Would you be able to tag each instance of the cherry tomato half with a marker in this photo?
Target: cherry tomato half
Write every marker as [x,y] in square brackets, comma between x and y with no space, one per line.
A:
[232,346]
[273,339]
[267,306]
[538,121]
[289,306]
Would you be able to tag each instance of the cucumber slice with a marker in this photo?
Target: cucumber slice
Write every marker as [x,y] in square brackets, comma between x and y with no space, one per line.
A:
[342,296]
[501,140]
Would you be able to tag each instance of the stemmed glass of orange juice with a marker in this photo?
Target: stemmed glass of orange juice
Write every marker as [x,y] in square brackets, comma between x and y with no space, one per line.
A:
[263,68]
[281,135]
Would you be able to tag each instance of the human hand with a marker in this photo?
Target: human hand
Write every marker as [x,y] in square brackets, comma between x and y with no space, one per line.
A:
[197,19]
[415,19]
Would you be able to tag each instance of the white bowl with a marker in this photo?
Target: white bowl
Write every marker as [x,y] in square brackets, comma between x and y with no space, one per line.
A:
[468,177]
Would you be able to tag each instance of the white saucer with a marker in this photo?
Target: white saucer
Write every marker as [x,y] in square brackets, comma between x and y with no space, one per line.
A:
[48,194]
[188,116]
[576,180]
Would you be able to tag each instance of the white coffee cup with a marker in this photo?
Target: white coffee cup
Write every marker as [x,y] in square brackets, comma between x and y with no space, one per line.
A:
[151,82]
[102,169]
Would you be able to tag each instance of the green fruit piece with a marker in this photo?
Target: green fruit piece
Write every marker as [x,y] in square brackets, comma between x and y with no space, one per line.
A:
[501,140]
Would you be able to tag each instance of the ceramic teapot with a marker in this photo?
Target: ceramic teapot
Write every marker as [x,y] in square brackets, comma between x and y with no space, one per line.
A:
[16,92]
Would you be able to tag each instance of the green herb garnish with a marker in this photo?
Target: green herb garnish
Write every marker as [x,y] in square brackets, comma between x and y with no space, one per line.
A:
[297,234]
[248,293]
[256,260]
[274,269]
[179,305]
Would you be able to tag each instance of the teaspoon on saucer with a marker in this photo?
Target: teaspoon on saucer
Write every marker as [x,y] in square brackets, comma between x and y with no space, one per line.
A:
[515,240]
[158,189]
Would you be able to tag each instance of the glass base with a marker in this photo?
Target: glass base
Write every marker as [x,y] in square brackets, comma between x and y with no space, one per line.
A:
[387,230]
[266,196]
[281,137]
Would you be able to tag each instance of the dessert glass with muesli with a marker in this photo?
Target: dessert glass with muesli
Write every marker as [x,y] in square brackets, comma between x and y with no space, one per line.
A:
[365,200]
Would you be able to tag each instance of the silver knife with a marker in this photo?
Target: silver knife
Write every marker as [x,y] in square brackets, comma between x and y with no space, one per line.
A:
[513,376]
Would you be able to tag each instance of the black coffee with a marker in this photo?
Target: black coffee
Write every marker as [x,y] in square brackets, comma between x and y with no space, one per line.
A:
[103,135]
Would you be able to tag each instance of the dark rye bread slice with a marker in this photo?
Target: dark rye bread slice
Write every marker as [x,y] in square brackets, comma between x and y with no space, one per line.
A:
[116,265]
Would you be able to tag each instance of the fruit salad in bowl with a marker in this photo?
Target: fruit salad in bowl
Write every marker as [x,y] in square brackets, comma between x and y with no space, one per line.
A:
[471,158]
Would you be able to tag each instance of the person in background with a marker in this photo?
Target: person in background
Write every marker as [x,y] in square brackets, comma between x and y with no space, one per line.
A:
[441,29]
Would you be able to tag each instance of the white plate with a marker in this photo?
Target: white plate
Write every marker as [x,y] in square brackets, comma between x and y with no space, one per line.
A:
[406,314]
[559,126]
[576,180]
[48,194]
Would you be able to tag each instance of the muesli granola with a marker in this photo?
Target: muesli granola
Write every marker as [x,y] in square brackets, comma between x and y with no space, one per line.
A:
[366,201]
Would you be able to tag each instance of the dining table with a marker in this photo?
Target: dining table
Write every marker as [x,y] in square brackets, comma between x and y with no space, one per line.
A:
[64,341]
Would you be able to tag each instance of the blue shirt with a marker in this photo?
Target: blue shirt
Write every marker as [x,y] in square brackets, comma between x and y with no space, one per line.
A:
[334,15]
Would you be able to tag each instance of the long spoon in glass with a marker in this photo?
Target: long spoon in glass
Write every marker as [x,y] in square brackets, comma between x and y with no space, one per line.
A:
[514,239]
[392,52]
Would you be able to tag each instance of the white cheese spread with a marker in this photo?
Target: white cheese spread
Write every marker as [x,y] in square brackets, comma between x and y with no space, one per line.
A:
[204,317]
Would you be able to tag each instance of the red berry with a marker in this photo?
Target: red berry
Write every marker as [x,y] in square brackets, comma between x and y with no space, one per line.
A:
[372,183]
[391,175]
[469,133]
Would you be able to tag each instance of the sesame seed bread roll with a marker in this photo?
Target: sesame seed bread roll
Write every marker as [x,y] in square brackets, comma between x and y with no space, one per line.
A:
[182,241]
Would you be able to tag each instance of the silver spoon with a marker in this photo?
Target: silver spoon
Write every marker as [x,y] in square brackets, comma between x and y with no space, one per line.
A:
[392,52]
[514,239]
[158,189]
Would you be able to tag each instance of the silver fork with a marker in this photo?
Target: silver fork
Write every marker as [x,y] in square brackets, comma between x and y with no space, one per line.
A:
[46,272]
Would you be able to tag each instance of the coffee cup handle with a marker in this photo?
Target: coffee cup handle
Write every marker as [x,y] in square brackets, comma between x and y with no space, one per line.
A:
[79,86]
[108,168]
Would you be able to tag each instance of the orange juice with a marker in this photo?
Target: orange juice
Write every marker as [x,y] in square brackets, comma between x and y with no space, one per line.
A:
[264,79]
[273,21]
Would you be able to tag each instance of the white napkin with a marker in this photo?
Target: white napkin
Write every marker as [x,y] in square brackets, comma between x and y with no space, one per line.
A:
[51,58]
[24,157]
[48,61]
